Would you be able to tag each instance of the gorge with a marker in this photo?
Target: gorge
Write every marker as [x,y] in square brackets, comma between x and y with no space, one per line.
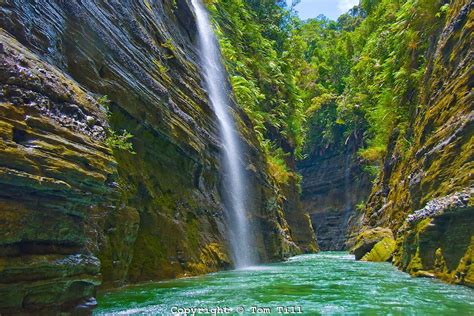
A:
[152,140]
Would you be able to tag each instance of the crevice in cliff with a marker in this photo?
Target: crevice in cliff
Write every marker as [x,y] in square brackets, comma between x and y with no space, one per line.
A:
[40,248]
[19,136]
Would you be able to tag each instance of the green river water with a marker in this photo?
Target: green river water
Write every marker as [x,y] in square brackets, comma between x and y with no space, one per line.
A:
[328,283]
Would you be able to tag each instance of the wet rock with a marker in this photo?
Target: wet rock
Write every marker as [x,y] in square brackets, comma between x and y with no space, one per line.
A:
[90,120]
[299,222]
[438,241]
[52,173]
[439,206]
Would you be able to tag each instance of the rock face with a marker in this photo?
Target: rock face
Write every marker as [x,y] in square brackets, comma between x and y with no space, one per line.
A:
[55,172]
[75,214]
[437,240]
[299,221]
[333,185]
[424,194]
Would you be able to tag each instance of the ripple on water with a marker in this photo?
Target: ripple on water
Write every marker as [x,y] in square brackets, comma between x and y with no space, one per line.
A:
[326,283]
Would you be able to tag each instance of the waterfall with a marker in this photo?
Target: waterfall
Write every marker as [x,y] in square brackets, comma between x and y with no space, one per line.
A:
[215,82]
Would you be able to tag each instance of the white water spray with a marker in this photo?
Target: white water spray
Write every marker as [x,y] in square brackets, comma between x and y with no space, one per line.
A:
[215,81]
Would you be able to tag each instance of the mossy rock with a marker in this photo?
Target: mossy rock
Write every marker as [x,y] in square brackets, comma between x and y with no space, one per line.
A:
[367,240]
[382,251]
[212,258]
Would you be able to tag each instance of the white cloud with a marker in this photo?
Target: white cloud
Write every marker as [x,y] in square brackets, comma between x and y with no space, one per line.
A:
[330,8]
[346,5]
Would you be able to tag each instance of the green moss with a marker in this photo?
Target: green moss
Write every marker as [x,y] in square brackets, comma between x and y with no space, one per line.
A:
[382,251]
[440,263]
[423,225]
[465,271]
[211,258]
[162,71]
[415,263]
[148,6]
[192,230]
[367,239]
[170,47]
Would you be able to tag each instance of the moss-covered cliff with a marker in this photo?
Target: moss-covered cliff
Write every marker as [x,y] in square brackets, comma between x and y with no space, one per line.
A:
[76,214]
[424,193]
[395,78]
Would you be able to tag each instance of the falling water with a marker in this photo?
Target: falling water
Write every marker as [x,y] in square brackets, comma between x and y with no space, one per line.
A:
[215,81]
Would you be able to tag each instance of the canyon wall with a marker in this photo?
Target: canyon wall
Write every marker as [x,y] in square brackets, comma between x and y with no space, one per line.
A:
[424,192]
[76,214]
[334,186]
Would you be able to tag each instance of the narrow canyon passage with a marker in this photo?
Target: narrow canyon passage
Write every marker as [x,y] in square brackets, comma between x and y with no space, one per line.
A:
[327,283]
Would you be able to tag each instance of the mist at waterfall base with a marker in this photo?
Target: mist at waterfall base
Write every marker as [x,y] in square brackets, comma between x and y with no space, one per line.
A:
[234,181]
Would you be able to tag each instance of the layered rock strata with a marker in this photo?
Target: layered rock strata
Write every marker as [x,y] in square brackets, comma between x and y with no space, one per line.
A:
[76,214]
[334,184]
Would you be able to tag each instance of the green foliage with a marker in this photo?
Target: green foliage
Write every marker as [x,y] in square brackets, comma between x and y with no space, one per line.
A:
[104,101]
[443,10]
[278,169]
[120,141]
[115,140]
[255,40]
[320,84]
[360,207]
[252,35]
[373,170]
[359,76]
[324,64]
[392,43]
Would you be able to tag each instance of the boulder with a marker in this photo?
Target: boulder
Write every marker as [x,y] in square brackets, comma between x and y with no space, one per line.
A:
[368,239]
[382,251]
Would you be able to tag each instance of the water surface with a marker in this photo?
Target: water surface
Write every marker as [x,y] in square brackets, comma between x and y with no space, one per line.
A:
[328,283]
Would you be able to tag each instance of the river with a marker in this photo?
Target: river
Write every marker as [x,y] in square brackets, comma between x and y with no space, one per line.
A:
[328,283]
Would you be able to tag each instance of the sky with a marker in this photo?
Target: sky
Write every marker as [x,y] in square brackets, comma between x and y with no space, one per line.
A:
[330,8]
